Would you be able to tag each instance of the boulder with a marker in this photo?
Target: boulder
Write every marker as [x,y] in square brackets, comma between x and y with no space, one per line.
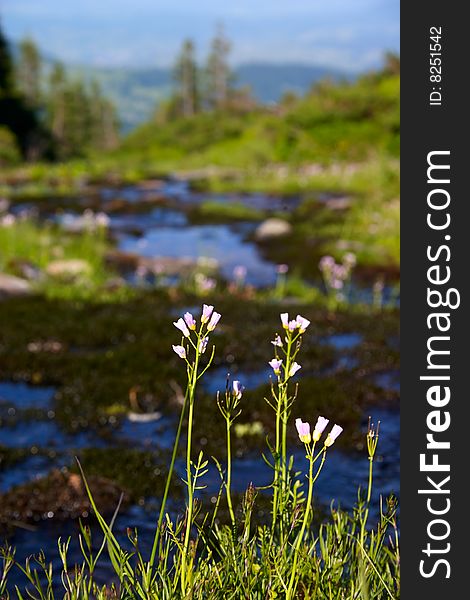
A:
[11,286]
[68,268]
[272,228]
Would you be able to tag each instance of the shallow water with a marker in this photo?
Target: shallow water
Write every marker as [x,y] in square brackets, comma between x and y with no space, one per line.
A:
[46,445]
[342,341]
[141,227]
[224,244]
[217,381]
[21,395]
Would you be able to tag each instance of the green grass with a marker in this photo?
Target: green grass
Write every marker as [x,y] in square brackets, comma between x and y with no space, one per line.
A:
[25,241]
[214,211]
[370,226]
[334,123]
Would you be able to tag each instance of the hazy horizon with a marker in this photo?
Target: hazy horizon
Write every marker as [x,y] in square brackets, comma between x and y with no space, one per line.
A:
[147,33]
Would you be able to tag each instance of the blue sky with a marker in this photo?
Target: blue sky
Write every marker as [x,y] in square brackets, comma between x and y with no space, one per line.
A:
[346,34]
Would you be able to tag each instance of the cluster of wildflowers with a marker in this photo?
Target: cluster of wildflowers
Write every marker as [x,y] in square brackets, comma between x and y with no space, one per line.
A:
[194,341]
[239,275]
[88,220]
[337,275]
[294,329]
[303,429]
[187,324]
[204,284]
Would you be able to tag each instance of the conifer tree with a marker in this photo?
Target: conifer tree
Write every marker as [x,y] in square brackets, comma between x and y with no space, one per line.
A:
[6,66]
[186,78]
[218,73]
[28,72]
[103,120]
[56,101]
[15,115]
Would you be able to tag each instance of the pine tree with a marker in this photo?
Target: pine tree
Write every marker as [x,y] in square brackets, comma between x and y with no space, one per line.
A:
[186,78]
[68,113]
[6,67]
[28,72]
[80,117]
[103,120]
[218,73]
[69,119]
[56,104]
[15,115]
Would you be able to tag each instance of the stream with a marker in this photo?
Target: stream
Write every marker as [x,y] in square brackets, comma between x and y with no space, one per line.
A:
[154,222]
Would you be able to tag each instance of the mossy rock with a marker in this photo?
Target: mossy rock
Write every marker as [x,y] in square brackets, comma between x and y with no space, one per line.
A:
[60,495]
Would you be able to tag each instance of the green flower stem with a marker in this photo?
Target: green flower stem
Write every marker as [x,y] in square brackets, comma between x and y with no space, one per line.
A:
[372,441]
[290,358]
[284,396]
[300,537]
[192,389]
[369,494]
[229,472]
[168,480]
[276,464]
[282,417]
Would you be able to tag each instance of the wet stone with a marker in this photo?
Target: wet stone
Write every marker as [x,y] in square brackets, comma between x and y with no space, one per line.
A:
[12,286]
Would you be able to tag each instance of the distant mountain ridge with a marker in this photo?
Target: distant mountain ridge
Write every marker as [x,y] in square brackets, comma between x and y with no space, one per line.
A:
[270,81]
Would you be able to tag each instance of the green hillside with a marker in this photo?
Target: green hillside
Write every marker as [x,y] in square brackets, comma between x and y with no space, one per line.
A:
[334,122]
